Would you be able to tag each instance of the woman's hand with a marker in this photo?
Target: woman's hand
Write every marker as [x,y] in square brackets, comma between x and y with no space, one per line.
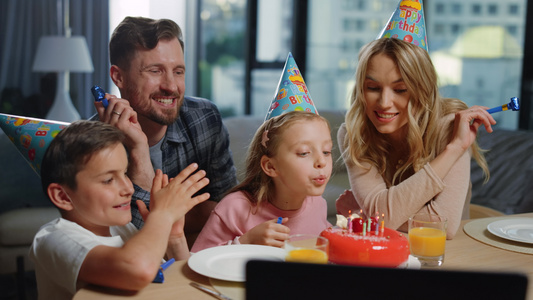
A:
[467,123]
[269,233]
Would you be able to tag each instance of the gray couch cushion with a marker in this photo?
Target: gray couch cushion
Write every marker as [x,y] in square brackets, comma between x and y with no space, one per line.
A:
[510,162]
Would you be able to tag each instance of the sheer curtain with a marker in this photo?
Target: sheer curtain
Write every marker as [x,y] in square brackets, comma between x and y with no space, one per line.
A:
[23,22]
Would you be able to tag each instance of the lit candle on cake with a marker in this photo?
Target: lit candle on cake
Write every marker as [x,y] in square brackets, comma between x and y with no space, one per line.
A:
[377,223]
[349,221]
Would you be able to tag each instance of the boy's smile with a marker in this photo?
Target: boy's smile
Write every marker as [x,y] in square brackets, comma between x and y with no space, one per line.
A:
[103,193]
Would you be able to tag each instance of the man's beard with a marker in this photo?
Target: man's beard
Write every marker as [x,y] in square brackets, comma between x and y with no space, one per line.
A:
[167,117]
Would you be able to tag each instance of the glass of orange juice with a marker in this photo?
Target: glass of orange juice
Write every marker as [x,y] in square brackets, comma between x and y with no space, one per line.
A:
[307,248]
[427,238]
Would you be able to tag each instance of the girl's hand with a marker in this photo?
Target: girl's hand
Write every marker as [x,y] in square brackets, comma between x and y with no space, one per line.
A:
[269,233]
[467,123]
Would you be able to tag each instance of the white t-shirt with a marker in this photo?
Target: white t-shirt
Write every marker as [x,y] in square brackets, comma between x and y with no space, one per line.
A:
[59,249]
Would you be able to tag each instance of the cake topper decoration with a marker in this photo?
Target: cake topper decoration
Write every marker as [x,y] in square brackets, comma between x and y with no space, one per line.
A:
[31,136]
[513,105]
[291,93]
[407,23]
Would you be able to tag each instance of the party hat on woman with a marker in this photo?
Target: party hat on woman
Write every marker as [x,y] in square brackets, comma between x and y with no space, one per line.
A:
[31,136]
[291,93]
[407,23]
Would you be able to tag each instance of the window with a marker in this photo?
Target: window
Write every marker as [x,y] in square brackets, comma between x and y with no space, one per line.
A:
[360,25]
[512,29]
[335,32]
[493,9]
[349,24]
[483,71]
[476,9]
[439,8]
[440,29]
[221,55]
[455,29]
[457,8]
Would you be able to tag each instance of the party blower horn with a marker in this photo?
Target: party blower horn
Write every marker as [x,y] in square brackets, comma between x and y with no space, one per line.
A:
[291,93]
[31,136]
[513,105]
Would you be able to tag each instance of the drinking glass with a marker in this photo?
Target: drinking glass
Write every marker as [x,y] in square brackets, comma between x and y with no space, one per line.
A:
[307,248]
[427,238]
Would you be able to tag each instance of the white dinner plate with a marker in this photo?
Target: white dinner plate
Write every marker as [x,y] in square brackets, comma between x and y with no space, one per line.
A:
[229,262]
[516,229]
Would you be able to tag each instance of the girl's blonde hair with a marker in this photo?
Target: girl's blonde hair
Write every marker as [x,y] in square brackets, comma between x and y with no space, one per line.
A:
[257,185]
[427,135]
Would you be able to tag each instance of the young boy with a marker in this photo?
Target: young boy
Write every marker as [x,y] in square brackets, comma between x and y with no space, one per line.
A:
[84,174]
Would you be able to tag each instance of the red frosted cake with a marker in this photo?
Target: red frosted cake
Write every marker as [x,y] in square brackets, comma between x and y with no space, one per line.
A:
[382,248]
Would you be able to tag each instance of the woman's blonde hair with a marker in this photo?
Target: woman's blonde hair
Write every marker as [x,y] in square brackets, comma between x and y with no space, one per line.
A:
[257,185]
[426,136]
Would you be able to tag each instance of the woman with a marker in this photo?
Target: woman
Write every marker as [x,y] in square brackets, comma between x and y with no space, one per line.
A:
[407,149]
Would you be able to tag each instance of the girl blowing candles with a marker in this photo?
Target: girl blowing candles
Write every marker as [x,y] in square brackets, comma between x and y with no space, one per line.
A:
[406,148]
[288,166]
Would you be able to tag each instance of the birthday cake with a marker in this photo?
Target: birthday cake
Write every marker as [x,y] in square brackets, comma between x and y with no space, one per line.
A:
[377,247]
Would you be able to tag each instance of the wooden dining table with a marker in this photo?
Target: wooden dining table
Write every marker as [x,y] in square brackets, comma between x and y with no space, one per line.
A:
[462,253]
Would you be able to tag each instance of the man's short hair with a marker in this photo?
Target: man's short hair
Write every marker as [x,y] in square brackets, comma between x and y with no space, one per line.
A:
[73,147]
[135,33]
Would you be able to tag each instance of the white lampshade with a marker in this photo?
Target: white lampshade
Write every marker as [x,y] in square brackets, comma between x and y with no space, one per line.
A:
[63,55]
[60,53]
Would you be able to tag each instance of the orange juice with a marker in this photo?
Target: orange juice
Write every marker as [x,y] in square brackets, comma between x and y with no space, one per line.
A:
[307,255]
[425,241]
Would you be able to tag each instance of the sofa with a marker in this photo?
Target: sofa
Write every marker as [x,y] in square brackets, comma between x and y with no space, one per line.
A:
[23,210]
[508,154]
[510,160]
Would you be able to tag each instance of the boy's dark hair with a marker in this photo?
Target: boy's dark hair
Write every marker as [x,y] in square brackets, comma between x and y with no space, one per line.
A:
[72,148]
[138,33]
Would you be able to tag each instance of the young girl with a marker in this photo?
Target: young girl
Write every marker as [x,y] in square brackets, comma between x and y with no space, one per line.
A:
[407,149]
[288,166]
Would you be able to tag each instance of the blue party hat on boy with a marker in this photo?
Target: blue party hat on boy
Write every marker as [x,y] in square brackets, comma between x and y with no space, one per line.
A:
[291,93]
[407,23]
[31,136]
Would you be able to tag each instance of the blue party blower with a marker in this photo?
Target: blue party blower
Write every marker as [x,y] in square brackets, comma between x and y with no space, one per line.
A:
[514,105]
[99,95]
[159,277]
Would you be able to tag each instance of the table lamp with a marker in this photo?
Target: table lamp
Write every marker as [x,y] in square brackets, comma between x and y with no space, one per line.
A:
[63,55]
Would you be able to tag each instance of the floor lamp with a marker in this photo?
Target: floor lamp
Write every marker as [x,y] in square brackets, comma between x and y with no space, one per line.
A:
[63,55]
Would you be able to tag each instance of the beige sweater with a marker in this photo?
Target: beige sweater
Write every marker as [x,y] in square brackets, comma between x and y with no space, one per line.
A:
[423,192]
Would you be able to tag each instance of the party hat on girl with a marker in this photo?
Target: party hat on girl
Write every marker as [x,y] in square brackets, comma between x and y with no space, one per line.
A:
[407,23]
[291,93]
[31,136]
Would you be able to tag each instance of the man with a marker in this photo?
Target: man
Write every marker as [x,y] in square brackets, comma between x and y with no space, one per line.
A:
[164,129]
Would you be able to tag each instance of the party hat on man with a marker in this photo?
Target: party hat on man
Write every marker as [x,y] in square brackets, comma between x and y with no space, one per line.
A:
[407,23]
[31,136]
[291,93]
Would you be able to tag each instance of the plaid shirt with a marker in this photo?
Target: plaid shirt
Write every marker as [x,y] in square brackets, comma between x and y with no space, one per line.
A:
[198,135]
